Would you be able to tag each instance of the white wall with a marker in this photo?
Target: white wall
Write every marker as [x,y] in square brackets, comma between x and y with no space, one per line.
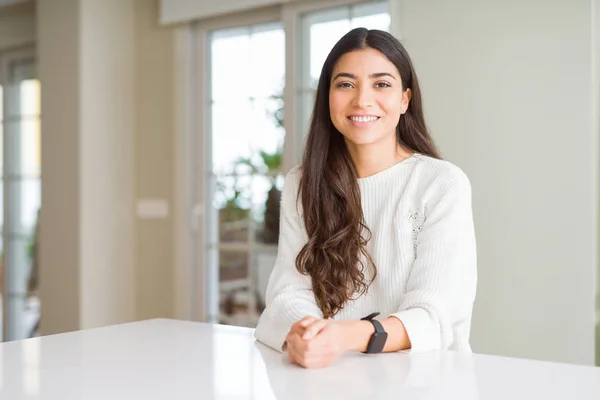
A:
[107,129]
[178,11]
[508,95]
[87,251]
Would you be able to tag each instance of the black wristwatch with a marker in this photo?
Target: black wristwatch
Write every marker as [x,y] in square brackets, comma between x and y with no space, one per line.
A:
[378,338]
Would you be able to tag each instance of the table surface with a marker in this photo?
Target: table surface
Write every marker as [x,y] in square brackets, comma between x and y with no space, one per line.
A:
[169,359]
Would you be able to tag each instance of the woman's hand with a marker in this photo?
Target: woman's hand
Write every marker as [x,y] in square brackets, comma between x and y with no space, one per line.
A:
[318,343]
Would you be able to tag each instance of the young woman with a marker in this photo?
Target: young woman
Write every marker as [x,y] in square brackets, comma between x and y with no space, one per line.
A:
[373,223]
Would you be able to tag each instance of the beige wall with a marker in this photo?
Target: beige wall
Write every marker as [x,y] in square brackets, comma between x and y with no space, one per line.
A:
[106,71]
[17,26]
[86,65]
[154,160]
[515,105]
[59,248]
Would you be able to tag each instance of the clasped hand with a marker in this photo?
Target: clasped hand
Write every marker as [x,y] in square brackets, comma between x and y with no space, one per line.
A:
[316,343]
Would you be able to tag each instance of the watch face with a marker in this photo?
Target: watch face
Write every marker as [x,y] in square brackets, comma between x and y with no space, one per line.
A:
[377,342]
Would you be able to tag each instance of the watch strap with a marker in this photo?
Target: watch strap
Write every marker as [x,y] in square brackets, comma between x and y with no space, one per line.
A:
[378,338]
[377,325]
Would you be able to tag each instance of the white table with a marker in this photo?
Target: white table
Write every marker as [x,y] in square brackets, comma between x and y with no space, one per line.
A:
[166,359]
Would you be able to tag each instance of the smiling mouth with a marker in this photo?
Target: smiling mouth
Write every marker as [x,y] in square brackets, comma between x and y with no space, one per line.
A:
[363,119]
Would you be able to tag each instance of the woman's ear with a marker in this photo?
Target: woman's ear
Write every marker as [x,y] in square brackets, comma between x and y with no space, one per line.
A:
[406,95]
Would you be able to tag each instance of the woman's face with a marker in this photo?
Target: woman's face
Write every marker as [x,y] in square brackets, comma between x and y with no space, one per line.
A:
[366,98]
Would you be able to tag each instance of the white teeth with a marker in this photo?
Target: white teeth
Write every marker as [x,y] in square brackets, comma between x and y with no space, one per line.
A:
[364,119]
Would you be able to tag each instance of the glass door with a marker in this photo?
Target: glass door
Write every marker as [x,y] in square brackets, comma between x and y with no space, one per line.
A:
[247,70]
[21,186]
[244,66]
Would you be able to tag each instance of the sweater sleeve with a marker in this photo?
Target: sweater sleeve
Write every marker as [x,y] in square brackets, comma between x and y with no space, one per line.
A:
[289,296]
[441,286]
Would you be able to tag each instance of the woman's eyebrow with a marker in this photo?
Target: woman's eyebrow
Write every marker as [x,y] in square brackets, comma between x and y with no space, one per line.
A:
[345,75]
[352,76]
[380,74]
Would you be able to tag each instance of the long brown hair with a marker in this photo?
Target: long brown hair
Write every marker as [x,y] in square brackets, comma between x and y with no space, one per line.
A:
[329,191]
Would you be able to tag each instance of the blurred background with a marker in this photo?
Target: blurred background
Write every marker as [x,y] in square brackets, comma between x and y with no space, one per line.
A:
[145,145]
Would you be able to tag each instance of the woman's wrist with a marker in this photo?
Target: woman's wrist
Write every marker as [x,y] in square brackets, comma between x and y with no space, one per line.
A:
[358,335]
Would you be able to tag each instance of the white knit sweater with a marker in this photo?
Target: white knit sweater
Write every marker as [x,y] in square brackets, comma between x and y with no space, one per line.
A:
[423,244]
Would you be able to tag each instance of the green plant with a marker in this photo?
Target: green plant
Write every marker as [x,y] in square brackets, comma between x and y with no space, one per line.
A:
[270,232]
[272,161]
[235,198]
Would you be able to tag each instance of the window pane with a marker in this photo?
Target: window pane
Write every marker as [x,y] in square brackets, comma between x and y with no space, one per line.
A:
[1,149]
[25,200]
[267,66]
[247,81]
[234,266]
[243,174]
[30,97]
[234,285]
[31,147]
[238,141]
[20,260]
[1,223]
[323,37]
[247,62]
[31,196]
[377,21]
[22,187]
[12,104]
[230,138]
[379,9]
[2,269]
[231,78]
[24,142]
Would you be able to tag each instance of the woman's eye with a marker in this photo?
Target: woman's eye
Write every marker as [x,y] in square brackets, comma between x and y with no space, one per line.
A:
[382,85]
[343,85]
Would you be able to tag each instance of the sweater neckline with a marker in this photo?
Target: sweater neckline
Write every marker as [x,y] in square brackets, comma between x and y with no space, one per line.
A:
[388,171]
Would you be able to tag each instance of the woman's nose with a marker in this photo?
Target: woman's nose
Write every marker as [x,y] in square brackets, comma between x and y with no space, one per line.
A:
[363,98]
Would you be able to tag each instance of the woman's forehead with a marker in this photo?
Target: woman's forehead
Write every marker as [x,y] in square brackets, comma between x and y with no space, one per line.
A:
[364,62]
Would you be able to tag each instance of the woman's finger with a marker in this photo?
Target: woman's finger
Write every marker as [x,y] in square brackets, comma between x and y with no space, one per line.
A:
[292,351]
[316,362]
[313,329]
[299,326]
[306,321]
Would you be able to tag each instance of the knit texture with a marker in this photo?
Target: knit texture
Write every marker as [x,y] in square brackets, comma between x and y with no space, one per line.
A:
[423,244]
